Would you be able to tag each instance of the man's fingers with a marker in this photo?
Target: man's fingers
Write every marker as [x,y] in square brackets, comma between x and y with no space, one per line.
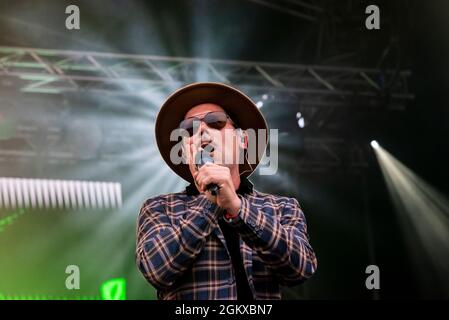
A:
[206,172]
[210,173]
[201,178]
[205,180]
[191,159]
[211,170]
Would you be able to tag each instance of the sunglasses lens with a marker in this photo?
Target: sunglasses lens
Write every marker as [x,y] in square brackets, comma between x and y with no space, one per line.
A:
[216,120]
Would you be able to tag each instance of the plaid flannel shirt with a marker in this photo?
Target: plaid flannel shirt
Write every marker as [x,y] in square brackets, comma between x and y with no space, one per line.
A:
[181,250]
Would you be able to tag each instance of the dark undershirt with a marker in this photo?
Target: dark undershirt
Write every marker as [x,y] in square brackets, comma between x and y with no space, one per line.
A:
[233,243]
[232,239]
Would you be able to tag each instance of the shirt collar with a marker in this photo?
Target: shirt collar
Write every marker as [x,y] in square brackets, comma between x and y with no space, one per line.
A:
[245,187]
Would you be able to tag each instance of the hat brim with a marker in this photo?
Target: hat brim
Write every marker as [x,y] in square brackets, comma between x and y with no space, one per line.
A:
[239,107]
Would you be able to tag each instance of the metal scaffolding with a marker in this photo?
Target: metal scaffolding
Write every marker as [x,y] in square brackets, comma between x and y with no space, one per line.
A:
[321,89]
[56,71]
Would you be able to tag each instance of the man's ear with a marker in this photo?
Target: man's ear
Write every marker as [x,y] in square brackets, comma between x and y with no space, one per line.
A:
[243,136]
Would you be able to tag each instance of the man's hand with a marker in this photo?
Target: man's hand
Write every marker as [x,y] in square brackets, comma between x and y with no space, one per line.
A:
[226,197]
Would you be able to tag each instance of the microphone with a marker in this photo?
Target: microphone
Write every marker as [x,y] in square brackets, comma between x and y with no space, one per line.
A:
[202,158]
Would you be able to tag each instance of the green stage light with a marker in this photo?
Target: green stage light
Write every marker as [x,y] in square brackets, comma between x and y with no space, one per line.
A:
[9,219]
[112,289]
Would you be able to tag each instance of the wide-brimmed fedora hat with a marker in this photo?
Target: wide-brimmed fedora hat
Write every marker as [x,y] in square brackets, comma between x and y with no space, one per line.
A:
[237,105]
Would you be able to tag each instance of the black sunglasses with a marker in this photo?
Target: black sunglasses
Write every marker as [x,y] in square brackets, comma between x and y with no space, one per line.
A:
[215,120]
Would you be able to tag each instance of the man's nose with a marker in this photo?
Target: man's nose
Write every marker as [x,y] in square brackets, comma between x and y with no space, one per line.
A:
[200,131]
[203,127]
[200,127]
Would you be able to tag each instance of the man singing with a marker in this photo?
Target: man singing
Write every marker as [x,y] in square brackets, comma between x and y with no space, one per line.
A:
[220,238]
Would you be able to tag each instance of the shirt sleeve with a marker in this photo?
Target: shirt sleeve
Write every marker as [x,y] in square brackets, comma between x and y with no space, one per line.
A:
[163,251]
[281,241]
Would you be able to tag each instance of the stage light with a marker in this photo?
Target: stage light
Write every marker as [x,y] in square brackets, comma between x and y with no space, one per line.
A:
[374,144]
[113,289]
[265,96]
[57,194]
[259,104]
[422,212]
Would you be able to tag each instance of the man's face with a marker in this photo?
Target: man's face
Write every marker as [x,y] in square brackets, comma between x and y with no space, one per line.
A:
[223,144]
